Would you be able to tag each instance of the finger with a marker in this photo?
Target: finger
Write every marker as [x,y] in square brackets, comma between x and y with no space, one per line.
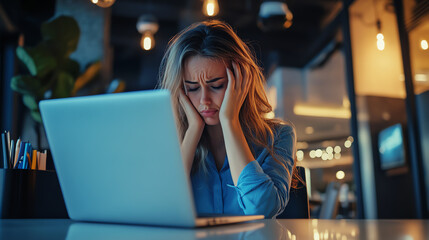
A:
[184,100]
[231,79]
[238,75]
[181,94]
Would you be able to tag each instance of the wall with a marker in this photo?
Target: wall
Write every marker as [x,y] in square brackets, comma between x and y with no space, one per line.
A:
[376,73]
[394,188]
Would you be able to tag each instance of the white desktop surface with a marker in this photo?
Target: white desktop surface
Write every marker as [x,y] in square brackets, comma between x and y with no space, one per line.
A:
[260,229]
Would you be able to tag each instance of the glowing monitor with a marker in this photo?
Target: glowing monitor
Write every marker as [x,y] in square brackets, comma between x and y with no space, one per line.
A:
[391,147]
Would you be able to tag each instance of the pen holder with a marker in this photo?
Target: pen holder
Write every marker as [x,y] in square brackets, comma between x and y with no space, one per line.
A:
[30,194]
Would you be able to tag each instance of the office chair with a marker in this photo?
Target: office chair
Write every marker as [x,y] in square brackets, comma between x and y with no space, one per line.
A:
[297,206]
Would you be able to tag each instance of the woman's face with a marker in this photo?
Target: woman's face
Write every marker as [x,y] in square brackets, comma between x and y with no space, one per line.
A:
[205,84]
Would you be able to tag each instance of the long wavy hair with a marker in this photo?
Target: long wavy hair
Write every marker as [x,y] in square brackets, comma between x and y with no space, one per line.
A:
[217,40]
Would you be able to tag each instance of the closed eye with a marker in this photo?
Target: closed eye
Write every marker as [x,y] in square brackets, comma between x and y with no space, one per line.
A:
[217,87]
[193,89]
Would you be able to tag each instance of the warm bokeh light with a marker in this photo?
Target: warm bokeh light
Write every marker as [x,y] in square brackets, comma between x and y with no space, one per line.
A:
[300,155]
[337,149]
[380,42]
[420,77]
[287,24]
[337,155]
[424,44]
[340,175]
[309,130]
[210,8]
[312,154]
[329,149]
[321,111]
[314,223]
[316,235]
[147,42]
[319,152]
[325,156]
[103,3]
[347,144]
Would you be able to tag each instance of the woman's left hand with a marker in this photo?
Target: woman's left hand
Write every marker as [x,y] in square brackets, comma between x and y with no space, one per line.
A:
[235,94]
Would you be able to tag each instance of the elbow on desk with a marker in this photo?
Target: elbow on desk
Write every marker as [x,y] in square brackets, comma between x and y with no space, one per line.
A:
[268,203]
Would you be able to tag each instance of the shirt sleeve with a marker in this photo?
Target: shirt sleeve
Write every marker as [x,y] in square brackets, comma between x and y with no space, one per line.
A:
[263,185]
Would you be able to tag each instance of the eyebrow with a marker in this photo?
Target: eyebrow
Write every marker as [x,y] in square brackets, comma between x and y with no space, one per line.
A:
[209,81]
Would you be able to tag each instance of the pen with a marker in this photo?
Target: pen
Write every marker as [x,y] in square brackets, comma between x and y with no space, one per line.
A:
[5,153]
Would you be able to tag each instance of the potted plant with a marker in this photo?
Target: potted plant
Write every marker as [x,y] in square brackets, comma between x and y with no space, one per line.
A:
[51,71]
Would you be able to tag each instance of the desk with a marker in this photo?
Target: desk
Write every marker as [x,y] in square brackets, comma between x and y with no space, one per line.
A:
[261,229]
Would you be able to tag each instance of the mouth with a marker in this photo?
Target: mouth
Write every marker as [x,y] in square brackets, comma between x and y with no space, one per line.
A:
[209,113]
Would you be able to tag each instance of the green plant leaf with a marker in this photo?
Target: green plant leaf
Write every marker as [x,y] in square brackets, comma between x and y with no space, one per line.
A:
[62,33]
[64,85]
[26,85]
[36,116]
[38,60]
[70,66]
[30,102]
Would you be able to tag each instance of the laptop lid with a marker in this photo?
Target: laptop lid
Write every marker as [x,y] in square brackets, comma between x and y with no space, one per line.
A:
[118,158]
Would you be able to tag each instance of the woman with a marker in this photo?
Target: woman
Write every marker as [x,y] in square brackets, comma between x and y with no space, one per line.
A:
[239,161]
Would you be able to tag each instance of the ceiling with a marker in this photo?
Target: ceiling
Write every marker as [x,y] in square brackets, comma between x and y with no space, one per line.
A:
[314,24]
[294,45]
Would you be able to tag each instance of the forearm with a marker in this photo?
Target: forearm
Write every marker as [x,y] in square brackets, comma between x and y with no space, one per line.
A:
[237,149]
[264,199]
[189,146]
[264,190]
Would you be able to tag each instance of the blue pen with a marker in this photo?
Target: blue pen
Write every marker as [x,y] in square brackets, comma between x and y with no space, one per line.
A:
[30,154]
[25,161]
[5,153]
[20,155]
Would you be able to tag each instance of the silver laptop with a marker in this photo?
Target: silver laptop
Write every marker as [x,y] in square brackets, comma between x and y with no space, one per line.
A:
[118,160]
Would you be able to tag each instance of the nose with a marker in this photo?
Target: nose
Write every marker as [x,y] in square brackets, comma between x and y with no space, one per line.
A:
[205,97]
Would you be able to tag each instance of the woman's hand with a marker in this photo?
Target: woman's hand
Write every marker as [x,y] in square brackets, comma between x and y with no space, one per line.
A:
[194,119]
[235,94]
[193,134]
[237,149]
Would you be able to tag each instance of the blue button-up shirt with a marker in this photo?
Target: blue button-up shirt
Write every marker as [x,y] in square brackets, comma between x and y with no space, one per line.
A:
[262,187]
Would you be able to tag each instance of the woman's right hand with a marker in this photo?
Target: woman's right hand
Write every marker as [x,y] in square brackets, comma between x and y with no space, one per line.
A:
[195,120]
[193,134]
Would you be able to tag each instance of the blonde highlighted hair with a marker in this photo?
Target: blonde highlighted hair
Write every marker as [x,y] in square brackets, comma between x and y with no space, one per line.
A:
[217,40]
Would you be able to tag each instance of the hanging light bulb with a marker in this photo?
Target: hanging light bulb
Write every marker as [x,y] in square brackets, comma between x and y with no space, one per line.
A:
[103,3]
[147,26]
[380,37]
[424,44]
[147,41]
[380,42]
[210,8]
